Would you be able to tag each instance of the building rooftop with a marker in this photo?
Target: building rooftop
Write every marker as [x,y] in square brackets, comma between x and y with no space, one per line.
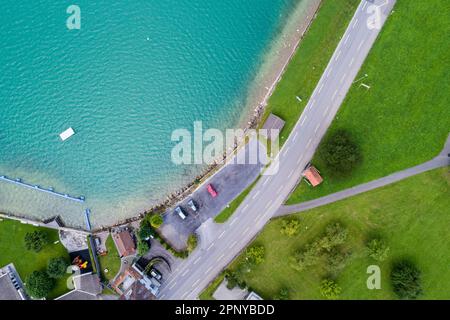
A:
[124,243]
[313,176]
[87,287]
[10,284]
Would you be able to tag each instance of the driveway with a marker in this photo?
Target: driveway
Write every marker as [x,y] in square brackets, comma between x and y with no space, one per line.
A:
[229,182]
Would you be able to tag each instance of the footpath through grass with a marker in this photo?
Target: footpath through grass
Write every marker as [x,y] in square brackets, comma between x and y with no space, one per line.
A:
[12,250]
[412,216]
[110,261]
[309,62]
[404,119]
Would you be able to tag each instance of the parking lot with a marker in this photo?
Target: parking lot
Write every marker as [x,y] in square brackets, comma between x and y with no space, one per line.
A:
[229,182]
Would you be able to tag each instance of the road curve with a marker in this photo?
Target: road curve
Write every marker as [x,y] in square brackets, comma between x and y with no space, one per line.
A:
[204,264]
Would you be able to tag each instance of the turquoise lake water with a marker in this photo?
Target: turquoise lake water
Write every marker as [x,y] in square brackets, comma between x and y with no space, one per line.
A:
[135,71]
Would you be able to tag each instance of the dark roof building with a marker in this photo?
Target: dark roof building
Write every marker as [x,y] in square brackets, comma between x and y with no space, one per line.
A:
[273,125]
[87,287]
[11,287]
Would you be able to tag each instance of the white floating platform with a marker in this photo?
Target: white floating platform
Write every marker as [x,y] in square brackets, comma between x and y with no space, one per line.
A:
[67,134]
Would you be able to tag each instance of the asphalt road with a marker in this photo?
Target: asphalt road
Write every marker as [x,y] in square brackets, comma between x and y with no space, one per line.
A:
[203,265]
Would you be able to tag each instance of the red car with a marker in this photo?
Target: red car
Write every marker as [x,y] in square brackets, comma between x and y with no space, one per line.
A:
[211,191]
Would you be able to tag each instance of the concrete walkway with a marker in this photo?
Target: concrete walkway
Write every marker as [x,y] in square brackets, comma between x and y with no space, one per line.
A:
[442,160]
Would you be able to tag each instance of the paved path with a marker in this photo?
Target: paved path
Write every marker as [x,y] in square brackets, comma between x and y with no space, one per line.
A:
[442,160]
[204,264]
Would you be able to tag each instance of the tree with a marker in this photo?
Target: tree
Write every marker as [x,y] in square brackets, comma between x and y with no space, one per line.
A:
[156,221]
[290,227]
[335,234]
[336,260]
[142,247]
[145,229]
[306,258]
[35,240]
[330,289]
[377,249]
[255,254]
[39,284]
[56,267]
[406,280]
[339,153]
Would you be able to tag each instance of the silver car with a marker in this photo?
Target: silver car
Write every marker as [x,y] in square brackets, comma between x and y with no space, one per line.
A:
[180,212]
[192,205]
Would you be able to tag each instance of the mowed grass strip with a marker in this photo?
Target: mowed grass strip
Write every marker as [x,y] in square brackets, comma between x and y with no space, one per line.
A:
[309,62]
[412,216]
[404,118]
[110,261]
[12,250]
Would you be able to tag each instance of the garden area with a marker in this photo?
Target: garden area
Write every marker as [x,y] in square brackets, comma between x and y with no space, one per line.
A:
[39,260]
[325,253]
[110,261]
[403,119]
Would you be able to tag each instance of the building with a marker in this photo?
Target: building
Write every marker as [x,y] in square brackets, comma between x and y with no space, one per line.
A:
[313,175]
[124,243]
[273,125]
[134,284]
[11,286]
[253,296]
[86,287]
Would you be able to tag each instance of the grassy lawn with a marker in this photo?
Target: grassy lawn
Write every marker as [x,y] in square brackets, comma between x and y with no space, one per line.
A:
[404,119]
[309,62]
[228,211]
[412,216]
[12,249]
[207,294]
[111,261]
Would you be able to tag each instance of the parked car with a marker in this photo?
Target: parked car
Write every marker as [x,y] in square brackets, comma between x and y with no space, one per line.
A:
[155,274]
[180,212]
[192,205]
[212,191]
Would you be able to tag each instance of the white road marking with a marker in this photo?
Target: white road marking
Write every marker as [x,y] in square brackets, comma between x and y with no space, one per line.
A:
[317,128]
[221,257]
[233,244]
[303,121]
[197,260]
[343,78]
[364,5]
[334,95]
[295,136]
[246,229]
[360,45]
[285,150]
[210,246]
[162,297]
[354,24]
[279,189]
[320,88]
[290,174]
[265,182]
[184,295]
[195,283]
[233,221]
[245,208]
[329,71]
[185,272]
[268,204]
[312,103]
[173,285]
[351,62]
[299,160]
[221,235]
[208,270]
[255,195]
[346,39]
[338,55]
[309,143]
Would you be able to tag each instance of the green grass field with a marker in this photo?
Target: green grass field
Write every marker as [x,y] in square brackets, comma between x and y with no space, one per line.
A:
[309,62]
[111,261]
[12,249]
[412,215]
[404,119]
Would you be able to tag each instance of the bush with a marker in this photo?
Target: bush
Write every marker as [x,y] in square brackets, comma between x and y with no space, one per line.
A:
[39,284]
[330,289]
[35,240]
[283,294]
[336,260]
[290,227]
[142,247]
[234,279]
[377,249]
[57,267]
[335,234]
[145,229]
[306,258]
[192,243]
[406,280]
[255,254]
[156,220]
[339,153]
